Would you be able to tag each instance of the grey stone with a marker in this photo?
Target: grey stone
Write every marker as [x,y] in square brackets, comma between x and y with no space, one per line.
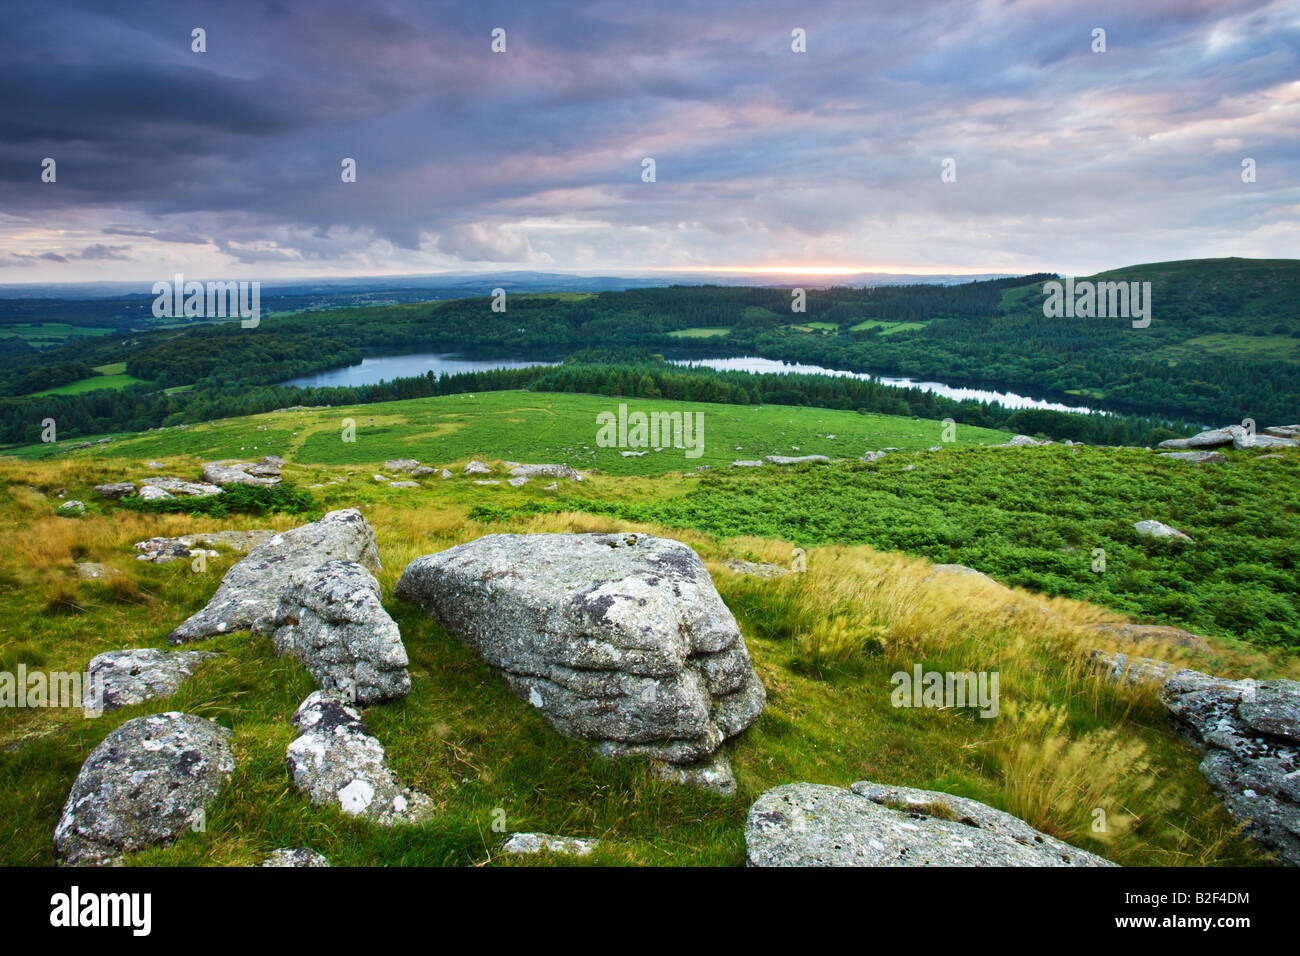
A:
[330,618]
[144,673]
[1135,634]
[517,482]
[163,550]
[94,571]
[1020,441]
[1155,529]
[1249,732]
[422,470]
[805,824]
[149,781]
[713,773]
[620,639]
[179,488]
[529,843]
[335,763]
[1283,431]
[299,856]
[251,588]
[477,468]
[1128,670]
[152,493]
[115,490]
[755,569]
[746,463]
[404,484]
[872,456]
[70,509]
[1197,457]
[401,464]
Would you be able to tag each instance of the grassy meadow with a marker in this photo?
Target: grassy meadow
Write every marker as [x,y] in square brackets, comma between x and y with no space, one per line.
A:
[825,641]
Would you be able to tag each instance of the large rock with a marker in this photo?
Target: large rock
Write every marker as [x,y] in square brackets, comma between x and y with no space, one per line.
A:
[401,464]
[807,824]
[1237,437]
[337,764]
[620,639]
[251,588]
[1250,734]
[143,673]
[1283,431]
[148,782]
[1214,438]
[548,471]
[177,487]
[330,617]
[1197,457]
[225,473]
[1137,634]
[1126,669]
[795,460]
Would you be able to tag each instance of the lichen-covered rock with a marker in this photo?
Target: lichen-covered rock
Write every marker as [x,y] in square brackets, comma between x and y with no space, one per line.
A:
[755,569]
[115,489]
[164,550]
[806,824]
[299,856]
[337,764]
[1250,734]
[401,464]
[148,782]
[225,473]
[620,639]
[331,618]
[528,843]
[70,509]
[713,774]
[477,468]
[143,673]
[152,493]
[251,588]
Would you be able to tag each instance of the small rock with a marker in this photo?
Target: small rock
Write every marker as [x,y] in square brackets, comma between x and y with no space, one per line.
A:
[1154,529]
[70,509]
[301,856]
[115,490]
[477,468]
[401,464]
[528,843]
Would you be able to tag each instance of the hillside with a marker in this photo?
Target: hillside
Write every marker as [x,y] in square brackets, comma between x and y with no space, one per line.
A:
[824,642]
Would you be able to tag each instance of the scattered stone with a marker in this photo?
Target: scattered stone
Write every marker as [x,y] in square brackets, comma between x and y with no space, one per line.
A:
[180,488]
[872,456]
[620,639]
[401,464]
[330,617]
[528,843]
[301,856]
[806,824]
[144,673]
[553,486]
[1250,734]
[486,481]
[1197,457]
[477,468]
[423,470]
[517,482]
[164,550]
[1127,670]
[404,484]
[230,472]
[1154,529]
[115,490]
[633,454]
[70,509]
[251,588]
[802,459]
[151,493]
[274,461]
[754,568]
[1020,441]
[444,473]
[335,763]
[148,782]
[746,463]
[382,478]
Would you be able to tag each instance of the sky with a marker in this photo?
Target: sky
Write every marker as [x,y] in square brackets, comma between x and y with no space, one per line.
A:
[228,163]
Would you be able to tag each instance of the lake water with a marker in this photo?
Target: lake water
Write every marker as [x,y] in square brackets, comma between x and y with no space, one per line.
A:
[384,368]
[751,363]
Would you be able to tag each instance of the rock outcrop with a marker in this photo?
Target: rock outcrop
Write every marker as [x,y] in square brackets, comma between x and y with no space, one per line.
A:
[147,782]
[337,764]
[1135,634]
[1250,734]
[178,487]
[620,639]
[1236,436]
[401,465]
[115,490]
[1130,670]
[1197,457]
[164,550]
[299,856]
[797,460]
[123,678]
[251,588]
[545,471]
[331,618]
[805,824]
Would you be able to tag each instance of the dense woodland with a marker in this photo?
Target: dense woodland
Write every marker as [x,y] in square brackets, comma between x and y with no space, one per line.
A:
[980,334]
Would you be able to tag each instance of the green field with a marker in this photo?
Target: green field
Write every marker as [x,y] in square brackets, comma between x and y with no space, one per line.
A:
[532,426]
[42,334]
[1260,348]
[93,383]
[887,328]
[701,333]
